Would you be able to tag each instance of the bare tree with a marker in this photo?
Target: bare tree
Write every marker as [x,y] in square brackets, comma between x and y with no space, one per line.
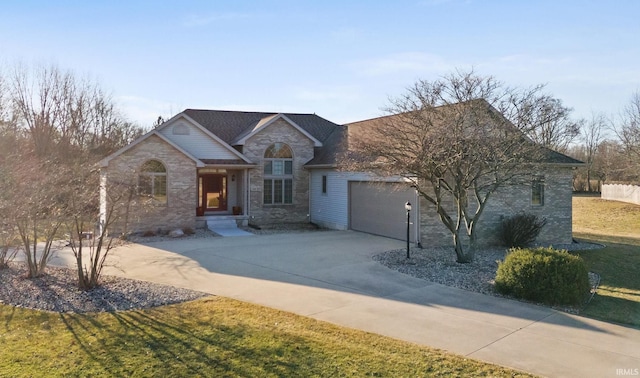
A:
[9,244]
[91,239]
[35,210]
[449,139]
[8,122]
[628,130]
[593,137]
[546,121]
[53,125]
[57,108]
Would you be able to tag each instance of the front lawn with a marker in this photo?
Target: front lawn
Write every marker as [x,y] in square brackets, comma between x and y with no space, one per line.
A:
[617,225]
[618,297]
[595,216]
[211,337]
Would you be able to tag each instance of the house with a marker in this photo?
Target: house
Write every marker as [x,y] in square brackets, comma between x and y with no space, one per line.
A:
[206,166]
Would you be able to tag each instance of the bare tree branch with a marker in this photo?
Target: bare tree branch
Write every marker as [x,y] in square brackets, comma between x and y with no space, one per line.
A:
[450,139]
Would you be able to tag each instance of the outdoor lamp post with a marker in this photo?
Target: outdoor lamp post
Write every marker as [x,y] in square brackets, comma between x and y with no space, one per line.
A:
[407,206]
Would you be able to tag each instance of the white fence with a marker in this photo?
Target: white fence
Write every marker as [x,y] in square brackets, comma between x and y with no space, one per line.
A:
[618,192]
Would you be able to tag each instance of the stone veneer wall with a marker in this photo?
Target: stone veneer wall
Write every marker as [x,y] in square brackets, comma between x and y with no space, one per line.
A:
[179,212]
[303,149]
[508,201]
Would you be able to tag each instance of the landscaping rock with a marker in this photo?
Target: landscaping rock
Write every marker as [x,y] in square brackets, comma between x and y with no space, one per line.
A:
[177,233]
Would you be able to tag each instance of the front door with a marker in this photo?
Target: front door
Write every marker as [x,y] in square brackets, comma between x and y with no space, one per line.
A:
[213,192]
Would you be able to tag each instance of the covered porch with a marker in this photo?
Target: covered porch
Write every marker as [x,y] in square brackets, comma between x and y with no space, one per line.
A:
[223,195]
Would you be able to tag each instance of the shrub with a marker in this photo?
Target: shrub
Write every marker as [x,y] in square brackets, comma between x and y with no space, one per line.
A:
[148,233]
[521,229]
[543,275]
[188,231]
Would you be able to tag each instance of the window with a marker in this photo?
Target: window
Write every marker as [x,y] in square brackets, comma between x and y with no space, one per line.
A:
[152,181]
[278,175]
[324,184]
[537,191]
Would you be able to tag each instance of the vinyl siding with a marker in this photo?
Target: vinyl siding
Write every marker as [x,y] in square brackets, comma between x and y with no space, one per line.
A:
[196,142]
[330,210]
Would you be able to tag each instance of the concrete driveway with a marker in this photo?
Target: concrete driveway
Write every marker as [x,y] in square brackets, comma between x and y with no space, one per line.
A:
[330,276]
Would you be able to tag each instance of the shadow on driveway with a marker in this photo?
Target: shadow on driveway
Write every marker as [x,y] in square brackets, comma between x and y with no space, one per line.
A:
[331,276]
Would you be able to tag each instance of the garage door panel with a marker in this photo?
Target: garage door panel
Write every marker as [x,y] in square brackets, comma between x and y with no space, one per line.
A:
[378,208]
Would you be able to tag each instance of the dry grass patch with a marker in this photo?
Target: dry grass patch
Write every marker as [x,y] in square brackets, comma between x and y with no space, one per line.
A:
[592,215]
[212,337]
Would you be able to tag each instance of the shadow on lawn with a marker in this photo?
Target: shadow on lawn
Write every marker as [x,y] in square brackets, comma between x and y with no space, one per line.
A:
[175,345]
[618,264]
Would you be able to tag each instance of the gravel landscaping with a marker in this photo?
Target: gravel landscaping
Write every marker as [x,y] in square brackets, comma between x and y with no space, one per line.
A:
[439,265]
[57,290]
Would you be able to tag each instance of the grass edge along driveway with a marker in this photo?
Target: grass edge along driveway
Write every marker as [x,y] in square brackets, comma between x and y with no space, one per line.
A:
[214,336]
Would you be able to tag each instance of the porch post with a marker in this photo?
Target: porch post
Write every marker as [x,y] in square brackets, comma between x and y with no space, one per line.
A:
[247,189]
[103,200]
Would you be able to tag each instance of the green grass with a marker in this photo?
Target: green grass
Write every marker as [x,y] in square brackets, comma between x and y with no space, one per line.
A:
[617,225]
[211,337]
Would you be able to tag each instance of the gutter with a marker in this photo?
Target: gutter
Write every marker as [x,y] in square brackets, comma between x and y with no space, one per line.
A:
[320,166]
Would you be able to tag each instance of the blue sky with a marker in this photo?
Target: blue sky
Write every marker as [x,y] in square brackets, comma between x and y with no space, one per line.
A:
[339,59]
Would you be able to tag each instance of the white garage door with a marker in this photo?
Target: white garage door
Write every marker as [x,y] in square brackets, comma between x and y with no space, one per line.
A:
[378,208]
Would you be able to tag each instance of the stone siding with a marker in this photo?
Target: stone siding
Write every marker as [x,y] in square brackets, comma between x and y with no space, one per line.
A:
[303,150]
[509,201]
[179,211]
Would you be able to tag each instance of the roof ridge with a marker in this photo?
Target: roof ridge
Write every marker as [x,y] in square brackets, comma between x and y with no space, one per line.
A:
[248,112]
[410,111]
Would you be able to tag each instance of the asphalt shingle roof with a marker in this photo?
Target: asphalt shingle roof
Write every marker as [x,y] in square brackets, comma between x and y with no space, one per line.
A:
[230,125]
[546,156]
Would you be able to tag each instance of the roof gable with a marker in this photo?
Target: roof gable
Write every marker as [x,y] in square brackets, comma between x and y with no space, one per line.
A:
[105,162]
[270,120]
[232,126]
[229,151]
[195,144]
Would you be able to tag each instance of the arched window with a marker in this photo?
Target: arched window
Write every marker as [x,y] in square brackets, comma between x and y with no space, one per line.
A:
[278,175]
[153,181]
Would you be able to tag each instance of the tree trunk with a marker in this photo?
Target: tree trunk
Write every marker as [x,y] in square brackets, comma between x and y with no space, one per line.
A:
[81,278]
[461,256]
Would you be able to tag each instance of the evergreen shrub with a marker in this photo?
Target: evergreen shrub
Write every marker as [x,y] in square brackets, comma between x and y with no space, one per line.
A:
[543,275]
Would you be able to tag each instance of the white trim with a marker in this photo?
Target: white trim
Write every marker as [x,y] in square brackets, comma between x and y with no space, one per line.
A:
[103,200]
[105,162]
[230,166]
[205,131]
[261,125]
[247,190]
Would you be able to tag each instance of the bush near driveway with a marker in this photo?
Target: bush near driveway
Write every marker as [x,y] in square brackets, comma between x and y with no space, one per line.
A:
[544,275]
